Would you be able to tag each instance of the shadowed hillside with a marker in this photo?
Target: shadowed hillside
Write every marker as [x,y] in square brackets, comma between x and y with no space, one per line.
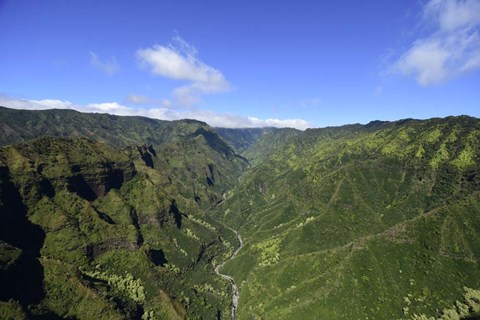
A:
[88,229]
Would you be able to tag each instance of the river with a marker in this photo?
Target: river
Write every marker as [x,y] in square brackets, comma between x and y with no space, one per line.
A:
[235,294]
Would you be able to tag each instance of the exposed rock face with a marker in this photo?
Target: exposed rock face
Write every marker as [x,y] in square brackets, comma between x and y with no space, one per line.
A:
[91,185]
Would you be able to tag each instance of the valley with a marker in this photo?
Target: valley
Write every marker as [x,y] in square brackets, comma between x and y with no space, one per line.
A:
[135,218]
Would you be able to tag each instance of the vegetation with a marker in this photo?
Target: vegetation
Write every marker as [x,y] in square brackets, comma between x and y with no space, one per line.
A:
[126,217]
[120,131]
[109,230]
[468,309]
[242,139]
[355,222]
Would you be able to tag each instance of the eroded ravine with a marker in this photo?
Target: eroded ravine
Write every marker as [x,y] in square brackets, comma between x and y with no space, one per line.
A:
[235,294]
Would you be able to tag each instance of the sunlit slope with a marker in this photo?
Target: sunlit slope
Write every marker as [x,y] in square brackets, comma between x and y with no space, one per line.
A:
[377,221]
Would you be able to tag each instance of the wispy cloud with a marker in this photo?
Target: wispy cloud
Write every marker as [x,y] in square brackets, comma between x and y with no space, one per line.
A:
[163,112]
[451,49]
[186,96]
[136,99]
[109,66]
[179,61]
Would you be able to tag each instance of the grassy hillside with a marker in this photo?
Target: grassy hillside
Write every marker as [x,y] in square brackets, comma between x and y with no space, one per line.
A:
[378,221]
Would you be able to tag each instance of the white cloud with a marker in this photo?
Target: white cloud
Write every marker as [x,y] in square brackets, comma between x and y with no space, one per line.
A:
[108,107]
[451,49]
[8,102]
[109,66]
[178,60]
[164,112]
[450,15]
[291,123]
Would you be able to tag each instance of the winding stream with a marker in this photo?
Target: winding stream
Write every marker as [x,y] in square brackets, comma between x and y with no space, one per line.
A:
[229,278]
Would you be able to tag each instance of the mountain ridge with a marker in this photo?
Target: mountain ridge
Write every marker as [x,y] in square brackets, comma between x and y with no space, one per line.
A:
[20,125]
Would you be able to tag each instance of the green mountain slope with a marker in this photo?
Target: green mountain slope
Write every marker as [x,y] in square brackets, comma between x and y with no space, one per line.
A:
[89,230]
[378,221]
[127,218]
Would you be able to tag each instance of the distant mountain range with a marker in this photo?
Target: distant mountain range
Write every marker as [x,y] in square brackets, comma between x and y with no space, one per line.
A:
[127,218]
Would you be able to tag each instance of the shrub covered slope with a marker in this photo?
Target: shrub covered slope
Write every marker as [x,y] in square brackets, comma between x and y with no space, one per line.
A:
[91,230]
[379,221]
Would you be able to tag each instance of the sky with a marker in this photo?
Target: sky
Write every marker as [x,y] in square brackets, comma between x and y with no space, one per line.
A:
[244,63]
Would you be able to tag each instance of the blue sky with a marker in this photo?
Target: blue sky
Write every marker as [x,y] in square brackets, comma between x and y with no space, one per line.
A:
[244,63]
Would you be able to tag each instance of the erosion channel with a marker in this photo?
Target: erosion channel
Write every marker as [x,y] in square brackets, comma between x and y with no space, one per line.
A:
[235,294]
